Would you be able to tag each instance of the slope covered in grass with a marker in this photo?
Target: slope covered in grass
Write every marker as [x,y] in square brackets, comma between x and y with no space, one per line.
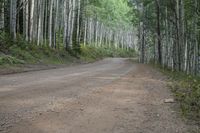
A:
[186,89]
[14,52]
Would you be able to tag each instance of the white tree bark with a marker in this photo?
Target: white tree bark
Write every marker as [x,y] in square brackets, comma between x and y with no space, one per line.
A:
[2,16]
[31,19]
[50,23]
[13,12]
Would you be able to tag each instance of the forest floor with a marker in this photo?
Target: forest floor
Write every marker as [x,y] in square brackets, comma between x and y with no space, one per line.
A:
[22,68]
[114,95]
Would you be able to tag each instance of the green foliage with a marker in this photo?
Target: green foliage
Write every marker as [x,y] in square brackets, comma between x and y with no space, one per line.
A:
[187,91]
[5,41]
[114,13]
[6,59]
[92,53]
[20,51]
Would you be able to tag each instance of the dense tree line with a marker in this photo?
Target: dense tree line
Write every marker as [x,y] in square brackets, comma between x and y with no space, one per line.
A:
[69,23]
[169,33]
[168,30]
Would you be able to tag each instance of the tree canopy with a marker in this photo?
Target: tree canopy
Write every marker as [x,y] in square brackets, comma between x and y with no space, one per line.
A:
[114,13]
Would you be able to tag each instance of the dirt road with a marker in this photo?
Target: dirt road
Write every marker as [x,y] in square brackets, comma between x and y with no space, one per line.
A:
[109,96]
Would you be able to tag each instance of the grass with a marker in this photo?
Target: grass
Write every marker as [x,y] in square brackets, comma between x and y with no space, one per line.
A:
[186,89]
[19,51]
[34,55]
[91,53]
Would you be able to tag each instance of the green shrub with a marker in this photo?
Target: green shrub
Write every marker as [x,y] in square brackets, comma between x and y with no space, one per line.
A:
[20,53]
[10,60]
[5,42]
[187,92]
[93,53]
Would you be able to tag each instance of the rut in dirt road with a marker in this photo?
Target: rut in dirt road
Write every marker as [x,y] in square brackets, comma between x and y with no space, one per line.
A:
[109,96]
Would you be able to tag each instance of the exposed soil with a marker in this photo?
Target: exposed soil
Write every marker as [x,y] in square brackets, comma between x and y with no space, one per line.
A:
[109,96]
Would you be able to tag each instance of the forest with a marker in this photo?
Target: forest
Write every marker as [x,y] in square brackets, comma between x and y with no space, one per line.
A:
[68,24]
[163,34]
[169,33]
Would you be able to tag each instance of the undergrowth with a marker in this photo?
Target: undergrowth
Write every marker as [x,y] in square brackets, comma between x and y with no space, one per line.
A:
[19,51]
[95,53]
[186,89]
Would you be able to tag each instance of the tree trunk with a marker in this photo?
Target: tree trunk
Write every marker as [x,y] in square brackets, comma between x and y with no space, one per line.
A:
[158,31]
